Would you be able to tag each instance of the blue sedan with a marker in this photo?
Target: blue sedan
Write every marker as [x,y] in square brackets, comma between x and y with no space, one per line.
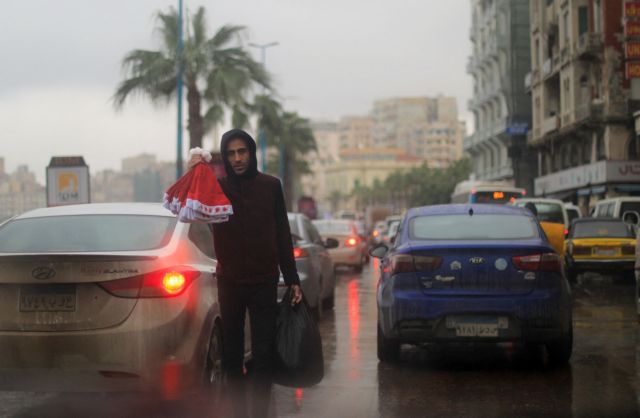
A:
[472,273]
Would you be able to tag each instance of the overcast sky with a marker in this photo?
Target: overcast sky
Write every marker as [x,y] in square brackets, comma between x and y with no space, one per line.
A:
[61,63]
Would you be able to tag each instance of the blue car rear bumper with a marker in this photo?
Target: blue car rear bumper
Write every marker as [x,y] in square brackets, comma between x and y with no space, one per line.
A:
[412,317]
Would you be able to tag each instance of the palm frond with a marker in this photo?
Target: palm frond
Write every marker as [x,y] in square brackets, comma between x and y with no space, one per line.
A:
[225,35]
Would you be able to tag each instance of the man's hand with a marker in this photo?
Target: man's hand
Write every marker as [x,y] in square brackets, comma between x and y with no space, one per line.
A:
[296,294]
[195,159]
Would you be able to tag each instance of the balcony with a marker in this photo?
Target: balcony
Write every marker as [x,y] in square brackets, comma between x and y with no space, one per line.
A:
[589,46]
[590,111]
[549,125]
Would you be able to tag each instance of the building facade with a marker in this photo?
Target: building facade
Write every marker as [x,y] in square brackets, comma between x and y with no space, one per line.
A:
[583,129]
[20,192]
[424,127]
[502,111]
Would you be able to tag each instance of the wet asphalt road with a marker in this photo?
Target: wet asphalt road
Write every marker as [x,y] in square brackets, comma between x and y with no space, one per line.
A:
[602,379]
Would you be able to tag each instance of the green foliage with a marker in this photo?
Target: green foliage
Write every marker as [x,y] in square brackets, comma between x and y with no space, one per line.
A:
[217,72]
[419,186]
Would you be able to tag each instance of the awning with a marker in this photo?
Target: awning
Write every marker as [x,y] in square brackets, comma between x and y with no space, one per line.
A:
[562,195]
[627,188]
[592,190]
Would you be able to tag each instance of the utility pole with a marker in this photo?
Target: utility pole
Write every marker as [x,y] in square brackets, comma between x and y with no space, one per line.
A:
[179,161]
[262,139]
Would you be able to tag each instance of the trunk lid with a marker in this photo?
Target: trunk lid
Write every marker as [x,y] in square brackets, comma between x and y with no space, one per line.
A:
[60,292]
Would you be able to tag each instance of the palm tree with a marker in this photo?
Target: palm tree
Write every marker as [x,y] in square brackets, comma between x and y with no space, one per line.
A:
[216,70]
[294,140]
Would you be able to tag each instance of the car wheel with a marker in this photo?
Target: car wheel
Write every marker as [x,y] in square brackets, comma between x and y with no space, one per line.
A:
[560,350]
[214,370]
[388,349]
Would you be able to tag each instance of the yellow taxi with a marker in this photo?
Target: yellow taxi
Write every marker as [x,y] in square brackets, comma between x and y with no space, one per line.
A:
[600,245]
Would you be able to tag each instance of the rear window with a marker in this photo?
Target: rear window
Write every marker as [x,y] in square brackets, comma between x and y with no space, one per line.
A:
[629,206]
[604,229]
[86,233]
[485,226]
[333,227]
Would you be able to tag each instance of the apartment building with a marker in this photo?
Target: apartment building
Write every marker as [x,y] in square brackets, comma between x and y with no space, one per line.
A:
[424,127]
[583,130]
[355,132]
[19,192]
[502,111]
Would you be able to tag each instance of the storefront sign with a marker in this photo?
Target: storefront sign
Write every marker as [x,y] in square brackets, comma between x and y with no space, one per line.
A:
[632,9]
[631,28]
[588,175]
[633,69]
[632,50]
[67,181]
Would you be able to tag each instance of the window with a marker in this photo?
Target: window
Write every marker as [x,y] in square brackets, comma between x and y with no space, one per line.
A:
[202,236]
[583,20]
[602,229]
[481,226]
[86,233]
[597,16]
[567,29]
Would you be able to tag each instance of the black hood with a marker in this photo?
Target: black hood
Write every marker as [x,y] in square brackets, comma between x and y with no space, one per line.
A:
[252,170]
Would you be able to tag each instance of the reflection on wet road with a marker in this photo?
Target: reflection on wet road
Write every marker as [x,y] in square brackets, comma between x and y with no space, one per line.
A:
[601,381]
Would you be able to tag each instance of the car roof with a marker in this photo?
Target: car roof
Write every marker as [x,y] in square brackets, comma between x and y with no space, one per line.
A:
[123,208]
[598,219]
[540,200]
[462,208]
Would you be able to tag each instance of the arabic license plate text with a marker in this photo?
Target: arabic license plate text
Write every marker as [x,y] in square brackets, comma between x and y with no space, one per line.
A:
[476,330]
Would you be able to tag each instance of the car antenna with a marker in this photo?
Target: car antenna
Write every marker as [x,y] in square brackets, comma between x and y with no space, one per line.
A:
[470,211]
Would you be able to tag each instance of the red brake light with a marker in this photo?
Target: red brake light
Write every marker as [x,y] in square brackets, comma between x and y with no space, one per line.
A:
[299,252]
[158,284]
[524,193]
[566,232]
[406,263]
[538,262]
[352,242]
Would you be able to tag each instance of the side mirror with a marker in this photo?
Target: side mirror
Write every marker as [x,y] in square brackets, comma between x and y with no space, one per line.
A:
[331,243]
[379,251]
[631,217]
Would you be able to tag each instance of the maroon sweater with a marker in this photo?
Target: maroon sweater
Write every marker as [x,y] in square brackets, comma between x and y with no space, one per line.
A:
[256,239]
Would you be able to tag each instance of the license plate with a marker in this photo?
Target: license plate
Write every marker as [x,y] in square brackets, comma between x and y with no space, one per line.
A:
[606,251]
[477,326]
[476,330]
[48,298]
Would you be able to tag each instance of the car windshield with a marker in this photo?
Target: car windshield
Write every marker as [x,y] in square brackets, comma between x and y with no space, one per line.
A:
[86,233]
[602,229]
[476,227]
[393,228]
[333,227]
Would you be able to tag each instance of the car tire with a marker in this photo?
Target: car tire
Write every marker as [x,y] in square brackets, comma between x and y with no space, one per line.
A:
[214,368]
[560,351]
[388,349]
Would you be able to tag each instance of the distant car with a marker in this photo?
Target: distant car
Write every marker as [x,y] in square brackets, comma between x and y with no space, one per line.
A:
[317,276]
[549,210]
[107,297]
[389,236]
[623,207]
[573,212]
[379,229]
[472,273]
[600,245]
[352,250]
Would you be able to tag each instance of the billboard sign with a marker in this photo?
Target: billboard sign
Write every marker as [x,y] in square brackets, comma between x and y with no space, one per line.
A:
[67,181]
[632,9]
[631,28]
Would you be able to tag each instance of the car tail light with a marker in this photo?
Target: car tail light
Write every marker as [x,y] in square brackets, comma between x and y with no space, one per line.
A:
[566,232]
[158,284]
[538,262]
[628,249]
[351,242]
[300,252]
[376,232]
[407,263]
[580,250]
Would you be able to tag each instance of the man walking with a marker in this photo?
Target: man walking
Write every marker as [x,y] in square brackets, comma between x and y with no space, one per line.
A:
[251,248]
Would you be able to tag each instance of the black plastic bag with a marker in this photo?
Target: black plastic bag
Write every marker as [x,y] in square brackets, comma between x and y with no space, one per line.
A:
[298,345]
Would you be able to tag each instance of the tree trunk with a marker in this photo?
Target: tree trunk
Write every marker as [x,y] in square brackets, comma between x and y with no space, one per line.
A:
[195,123]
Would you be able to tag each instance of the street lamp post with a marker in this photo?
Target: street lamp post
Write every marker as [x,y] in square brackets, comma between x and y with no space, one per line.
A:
[179,93]
[261,136]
